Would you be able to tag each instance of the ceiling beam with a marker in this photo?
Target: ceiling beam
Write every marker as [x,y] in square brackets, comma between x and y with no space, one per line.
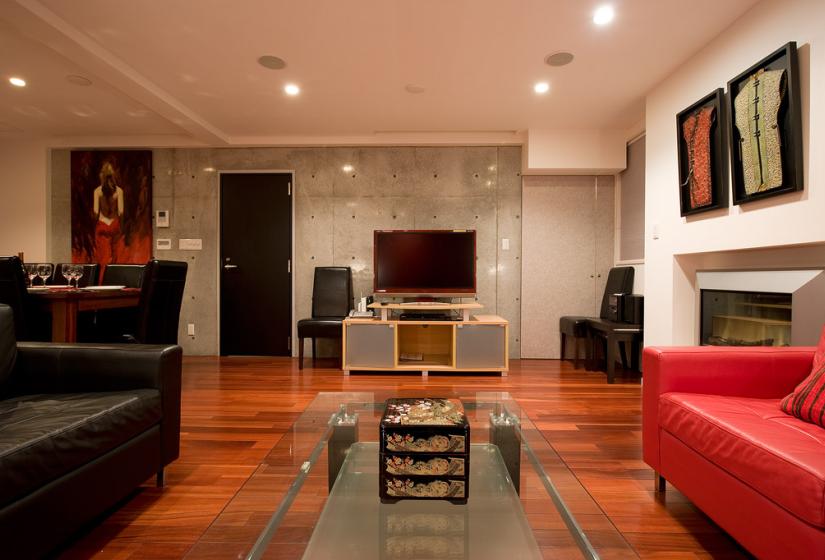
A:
[40,23]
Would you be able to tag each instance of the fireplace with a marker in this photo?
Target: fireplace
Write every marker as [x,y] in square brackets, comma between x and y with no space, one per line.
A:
[760,307]
[744,318]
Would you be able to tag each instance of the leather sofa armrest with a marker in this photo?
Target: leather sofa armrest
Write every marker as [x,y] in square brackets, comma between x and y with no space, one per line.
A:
[755,372]
[69,368]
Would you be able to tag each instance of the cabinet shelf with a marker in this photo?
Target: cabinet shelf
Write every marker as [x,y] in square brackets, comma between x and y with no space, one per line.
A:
[479,344]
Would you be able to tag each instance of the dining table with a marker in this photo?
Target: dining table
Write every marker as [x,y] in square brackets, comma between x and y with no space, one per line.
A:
[64,304]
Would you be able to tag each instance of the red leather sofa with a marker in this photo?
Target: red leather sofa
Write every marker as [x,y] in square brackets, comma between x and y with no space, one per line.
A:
[713,428]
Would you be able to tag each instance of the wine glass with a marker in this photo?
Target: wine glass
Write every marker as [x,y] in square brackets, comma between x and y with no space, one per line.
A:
[31,272]
[44,271]
[68,273]
[78,274]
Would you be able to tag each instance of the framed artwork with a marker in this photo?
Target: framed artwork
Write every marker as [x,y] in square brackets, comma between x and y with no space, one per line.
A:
[766,128]
[111,206]
[703,166]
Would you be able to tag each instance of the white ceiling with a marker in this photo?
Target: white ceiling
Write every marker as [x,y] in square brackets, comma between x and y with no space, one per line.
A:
[188,67]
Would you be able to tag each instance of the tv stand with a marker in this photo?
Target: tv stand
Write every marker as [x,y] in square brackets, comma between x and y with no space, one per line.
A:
[477,343]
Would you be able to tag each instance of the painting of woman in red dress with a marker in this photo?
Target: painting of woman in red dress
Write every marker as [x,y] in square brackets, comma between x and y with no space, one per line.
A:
[111,206]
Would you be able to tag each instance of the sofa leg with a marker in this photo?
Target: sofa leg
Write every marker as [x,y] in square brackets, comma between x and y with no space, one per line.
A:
[300,353]
[159,479]
[659,482]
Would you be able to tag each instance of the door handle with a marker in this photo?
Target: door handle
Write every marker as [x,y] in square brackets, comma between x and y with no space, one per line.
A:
[230,266]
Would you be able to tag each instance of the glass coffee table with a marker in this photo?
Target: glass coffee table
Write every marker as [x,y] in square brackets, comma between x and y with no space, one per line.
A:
[315,495]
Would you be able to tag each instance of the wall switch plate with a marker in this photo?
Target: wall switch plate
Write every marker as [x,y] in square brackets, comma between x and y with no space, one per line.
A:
[163,244]
[190,329]
[190,244]
[162,218]
[505,244]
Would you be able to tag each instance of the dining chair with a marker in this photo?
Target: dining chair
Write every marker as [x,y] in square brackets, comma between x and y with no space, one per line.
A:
[331,303]
[161,297]
[111,324]
[129,275]
[13,293]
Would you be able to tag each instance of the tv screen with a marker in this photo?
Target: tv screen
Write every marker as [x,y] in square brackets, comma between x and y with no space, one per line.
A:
[435,262]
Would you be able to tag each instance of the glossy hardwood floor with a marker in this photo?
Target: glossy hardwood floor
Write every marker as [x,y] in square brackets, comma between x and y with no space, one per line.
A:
[235,409]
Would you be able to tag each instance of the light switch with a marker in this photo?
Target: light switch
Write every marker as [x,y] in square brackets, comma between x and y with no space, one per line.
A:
[190,244]
[162,218]
[505,244]
[190,329]
[163,244]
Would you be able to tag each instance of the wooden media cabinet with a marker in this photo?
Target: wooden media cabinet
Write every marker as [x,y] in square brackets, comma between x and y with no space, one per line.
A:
[386,343]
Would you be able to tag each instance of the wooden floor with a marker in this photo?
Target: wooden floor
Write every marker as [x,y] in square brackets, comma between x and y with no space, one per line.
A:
[235,409]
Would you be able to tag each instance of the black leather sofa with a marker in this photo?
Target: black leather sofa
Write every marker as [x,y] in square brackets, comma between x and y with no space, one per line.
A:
[81,426]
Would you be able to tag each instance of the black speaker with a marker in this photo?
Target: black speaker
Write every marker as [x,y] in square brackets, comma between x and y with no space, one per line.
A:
[615,305]
[633,308]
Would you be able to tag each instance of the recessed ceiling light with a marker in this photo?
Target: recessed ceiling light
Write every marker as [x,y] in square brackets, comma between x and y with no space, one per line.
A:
[272,62]
[347,168]
[603,15]
[412,88]
[19,82]
[78,80]
[292,89]
[541,87]
[561,58]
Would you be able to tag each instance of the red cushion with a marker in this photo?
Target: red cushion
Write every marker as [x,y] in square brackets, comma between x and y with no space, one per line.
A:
[807,402]
[777,455]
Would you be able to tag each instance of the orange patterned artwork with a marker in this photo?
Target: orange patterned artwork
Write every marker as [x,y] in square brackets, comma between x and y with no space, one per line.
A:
[696,132]
[111,206]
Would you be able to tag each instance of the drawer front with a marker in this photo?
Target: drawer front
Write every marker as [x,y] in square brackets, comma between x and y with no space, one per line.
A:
[403,464]
[370,346]
[480,346]
[430,488]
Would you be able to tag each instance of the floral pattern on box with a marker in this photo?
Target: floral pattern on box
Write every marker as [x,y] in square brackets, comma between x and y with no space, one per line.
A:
[436,489]
[436,466]
[425,412]
[432,444]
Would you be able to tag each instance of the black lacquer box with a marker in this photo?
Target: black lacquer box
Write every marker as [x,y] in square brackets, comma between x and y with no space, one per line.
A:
[425,450]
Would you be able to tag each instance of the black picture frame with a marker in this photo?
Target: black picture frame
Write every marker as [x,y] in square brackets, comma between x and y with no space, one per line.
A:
[789,123]
[717,153]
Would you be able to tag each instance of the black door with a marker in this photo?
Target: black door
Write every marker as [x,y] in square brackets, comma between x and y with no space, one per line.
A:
[256,270]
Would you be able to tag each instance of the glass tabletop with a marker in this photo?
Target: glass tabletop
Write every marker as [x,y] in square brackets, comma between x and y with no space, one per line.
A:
[316,494]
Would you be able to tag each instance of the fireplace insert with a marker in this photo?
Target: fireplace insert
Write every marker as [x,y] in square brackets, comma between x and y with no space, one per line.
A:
[738,318]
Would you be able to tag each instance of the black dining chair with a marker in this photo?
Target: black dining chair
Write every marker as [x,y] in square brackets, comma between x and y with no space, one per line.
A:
[331,303]
[155,320]
[111,324]
[89,278]
[129,275]
[161,297]
[13,293]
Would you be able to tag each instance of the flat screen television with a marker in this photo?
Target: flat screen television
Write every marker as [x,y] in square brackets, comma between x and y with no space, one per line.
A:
[425,262]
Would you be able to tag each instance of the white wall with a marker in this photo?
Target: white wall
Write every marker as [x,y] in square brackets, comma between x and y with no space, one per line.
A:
[574,152]
[785,220]
[23,211]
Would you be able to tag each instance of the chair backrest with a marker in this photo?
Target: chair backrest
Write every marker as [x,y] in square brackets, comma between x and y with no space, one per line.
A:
[129,275]
[89,278]
[332,291]
[13,292]
[619,281]
[8,346]
[161,296]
